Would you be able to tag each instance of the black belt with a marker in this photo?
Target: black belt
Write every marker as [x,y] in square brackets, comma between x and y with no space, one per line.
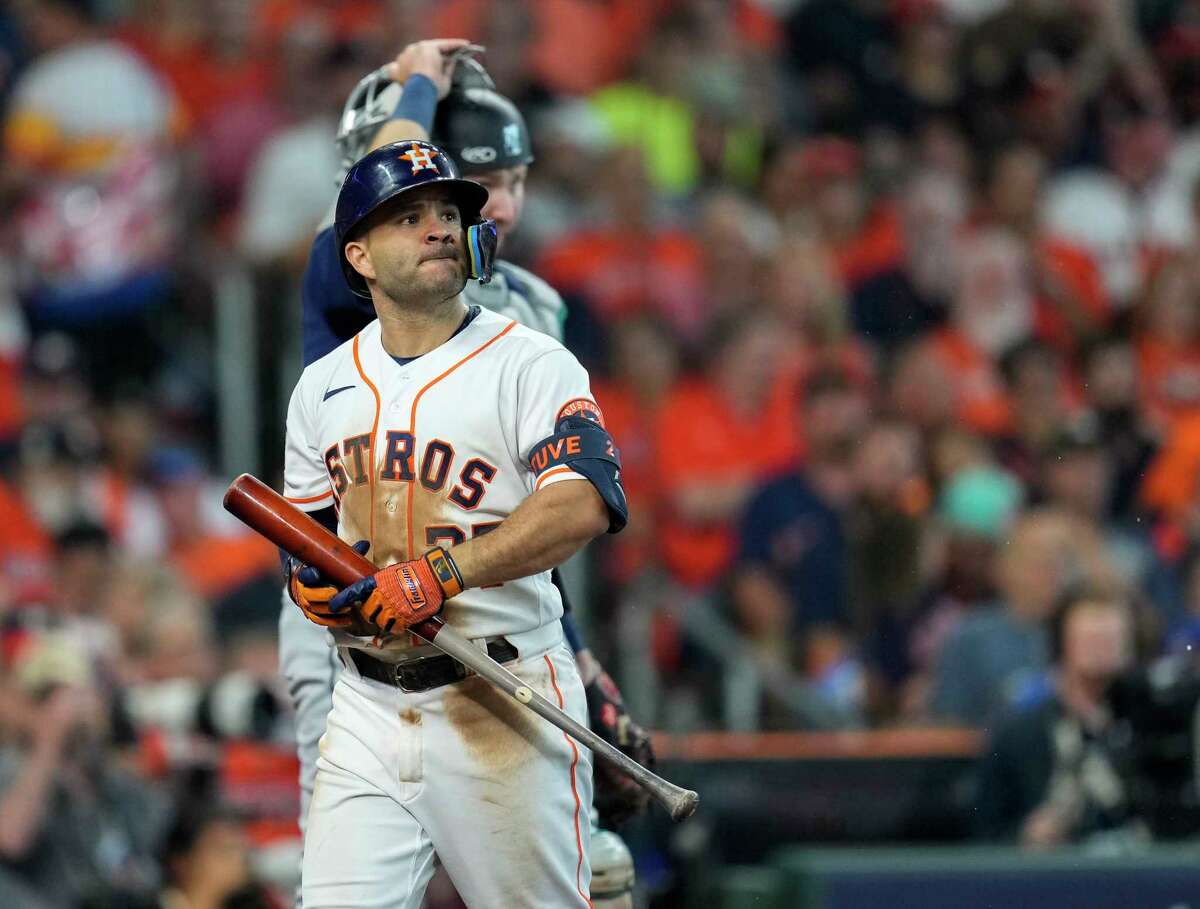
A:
[426,672]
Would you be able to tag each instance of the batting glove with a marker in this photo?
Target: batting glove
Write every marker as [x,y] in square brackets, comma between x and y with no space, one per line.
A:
[618,799]
[312,592]
[403,594]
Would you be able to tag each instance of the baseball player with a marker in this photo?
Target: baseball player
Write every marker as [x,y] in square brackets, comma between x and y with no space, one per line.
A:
[465,455]
[487,137]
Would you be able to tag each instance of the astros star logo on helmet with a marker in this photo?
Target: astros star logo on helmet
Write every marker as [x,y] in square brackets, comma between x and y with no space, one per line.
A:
[419,158]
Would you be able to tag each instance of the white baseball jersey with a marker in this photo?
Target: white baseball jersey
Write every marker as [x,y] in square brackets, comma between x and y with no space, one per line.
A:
[435,452]
[412,454]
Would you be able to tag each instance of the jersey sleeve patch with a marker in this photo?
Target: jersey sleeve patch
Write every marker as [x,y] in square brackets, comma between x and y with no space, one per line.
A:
[581,407]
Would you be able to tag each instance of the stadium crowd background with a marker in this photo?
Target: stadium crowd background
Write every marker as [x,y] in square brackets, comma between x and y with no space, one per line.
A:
[893,307]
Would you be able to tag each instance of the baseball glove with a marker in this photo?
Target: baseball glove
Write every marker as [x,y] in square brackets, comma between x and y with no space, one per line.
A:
[618,798]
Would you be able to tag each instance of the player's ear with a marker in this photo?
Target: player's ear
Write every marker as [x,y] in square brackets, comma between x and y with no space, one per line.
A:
[359,258]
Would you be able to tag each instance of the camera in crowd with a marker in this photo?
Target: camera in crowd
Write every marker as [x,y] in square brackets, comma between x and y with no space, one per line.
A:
[1158,709]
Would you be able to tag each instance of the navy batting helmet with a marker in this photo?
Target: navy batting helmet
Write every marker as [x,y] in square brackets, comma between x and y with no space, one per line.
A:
[393,170]
[481,129]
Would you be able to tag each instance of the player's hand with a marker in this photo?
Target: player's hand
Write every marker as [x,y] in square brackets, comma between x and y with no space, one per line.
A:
[312,591]
[434,58]
[618,799]
[403,594]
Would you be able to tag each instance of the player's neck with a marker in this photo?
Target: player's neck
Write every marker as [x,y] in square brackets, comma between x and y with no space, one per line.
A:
[410,333]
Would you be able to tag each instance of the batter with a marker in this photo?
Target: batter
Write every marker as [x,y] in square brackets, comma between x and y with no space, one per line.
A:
[466,454]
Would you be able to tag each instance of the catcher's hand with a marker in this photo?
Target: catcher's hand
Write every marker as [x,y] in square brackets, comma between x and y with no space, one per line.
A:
[403,594]
[312,592]
[617,799]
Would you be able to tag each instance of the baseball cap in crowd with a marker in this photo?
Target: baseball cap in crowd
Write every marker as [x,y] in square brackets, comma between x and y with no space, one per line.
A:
[980,500]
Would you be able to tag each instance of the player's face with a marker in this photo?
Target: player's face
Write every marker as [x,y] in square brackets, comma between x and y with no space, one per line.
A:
[415,250]
[506,197]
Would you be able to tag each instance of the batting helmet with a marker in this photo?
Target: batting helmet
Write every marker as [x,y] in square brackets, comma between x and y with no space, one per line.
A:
[392,170]
[477,126]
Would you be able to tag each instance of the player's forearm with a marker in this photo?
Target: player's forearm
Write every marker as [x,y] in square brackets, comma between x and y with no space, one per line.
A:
[398,131]
[544,531]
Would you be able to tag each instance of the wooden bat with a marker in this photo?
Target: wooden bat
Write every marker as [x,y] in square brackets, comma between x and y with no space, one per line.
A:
[266,511]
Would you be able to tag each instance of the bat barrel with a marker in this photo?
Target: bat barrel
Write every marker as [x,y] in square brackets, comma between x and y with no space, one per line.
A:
[260,507]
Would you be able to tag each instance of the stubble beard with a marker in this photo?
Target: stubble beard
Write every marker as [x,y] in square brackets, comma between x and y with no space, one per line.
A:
[425,289]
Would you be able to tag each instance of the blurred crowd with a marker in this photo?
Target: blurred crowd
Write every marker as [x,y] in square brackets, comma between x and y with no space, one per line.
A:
[893,307]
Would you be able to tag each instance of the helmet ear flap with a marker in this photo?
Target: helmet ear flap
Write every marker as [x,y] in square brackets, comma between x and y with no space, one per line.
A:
[482,241]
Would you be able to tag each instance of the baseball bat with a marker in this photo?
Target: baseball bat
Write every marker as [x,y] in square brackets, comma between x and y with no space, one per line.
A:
[270,514]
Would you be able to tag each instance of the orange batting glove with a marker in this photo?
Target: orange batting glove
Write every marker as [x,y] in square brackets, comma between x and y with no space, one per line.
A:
[403,594]
[312,592]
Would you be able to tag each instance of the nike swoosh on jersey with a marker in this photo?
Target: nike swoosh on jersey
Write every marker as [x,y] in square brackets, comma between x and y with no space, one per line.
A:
[333,391]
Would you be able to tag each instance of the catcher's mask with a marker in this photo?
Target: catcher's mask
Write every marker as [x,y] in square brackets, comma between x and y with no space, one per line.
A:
[476,125]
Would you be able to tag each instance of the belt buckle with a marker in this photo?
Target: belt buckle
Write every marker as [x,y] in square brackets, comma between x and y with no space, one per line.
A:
[417,669]
[400,672]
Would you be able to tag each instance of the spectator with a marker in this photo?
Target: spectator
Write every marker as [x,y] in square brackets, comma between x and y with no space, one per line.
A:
[807,296]
[73,823]
[91,125]
[1169,346]
[886,528]
[1071,304]
[930,82]
[1049,775]
[629,262]
[998,653]
[1110,375]
[287,189]
[668,111]
[793,562]
[974,514]
[737,240]
[572,140]
[114,492]
[908,300]
[206,861]
[1078,475]
[921,390]
[1039,404]
[719,436]
[214,554]
[862,231]
[645,368]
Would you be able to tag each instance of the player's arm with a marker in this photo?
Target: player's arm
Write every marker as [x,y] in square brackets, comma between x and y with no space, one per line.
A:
[545,530]
[423,70]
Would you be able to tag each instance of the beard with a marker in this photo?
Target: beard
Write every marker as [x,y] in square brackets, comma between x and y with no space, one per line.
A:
[428,282]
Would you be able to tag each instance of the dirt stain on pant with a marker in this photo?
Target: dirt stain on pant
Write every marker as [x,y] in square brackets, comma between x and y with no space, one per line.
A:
[499,733]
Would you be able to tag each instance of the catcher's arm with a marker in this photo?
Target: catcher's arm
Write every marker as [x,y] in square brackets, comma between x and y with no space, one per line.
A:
[435,60]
